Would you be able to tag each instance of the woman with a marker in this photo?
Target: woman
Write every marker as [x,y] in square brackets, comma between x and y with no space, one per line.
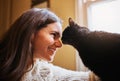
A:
[28,46]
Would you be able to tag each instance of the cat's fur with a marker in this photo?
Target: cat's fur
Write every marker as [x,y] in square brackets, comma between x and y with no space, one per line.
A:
[99,50]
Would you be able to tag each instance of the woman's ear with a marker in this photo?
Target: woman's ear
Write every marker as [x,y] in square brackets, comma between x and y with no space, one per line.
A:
[71,22]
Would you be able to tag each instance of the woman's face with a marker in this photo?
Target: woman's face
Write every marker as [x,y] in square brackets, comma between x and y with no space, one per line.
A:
[46,41]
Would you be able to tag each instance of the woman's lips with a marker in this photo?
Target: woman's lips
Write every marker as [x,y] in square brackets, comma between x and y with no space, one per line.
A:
[52,49]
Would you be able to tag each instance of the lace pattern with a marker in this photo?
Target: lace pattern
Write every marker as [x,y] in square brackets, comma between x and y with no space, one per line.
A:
[44,71]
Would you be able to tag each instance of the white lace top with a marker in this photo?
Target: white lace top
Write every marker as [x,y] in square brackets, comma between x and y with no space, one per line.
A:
[44,71]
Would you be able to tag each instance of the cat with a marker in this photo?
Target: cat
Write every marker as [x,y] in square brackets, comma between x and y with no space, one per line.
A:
[99,50]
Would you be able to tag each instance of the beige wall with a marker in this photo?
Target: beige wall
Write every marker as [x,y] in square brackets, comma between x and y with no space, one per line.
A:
[65,56]
[10,10]
[18,7]
[4,15]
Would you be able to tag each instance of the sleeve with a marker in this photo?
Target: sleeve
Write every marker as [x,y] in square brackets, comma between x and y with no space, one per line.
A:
[62,74]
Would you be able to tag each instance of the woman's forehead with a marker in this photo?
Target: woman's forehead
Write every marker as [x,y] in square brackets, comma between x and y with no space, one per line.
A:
[53,27]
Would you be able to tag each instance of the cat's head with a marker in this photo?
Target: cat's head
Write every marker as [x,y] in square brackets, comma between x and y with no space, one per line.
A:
[73,32]
[70,32]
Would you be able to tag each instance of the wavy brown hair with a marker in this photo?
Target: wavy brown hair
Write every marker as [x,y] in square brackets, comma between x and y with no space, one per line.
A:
[15,47]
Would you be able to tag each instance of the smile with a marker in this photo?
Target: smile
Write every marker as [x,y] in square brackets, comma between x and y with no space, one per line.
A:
[52,49]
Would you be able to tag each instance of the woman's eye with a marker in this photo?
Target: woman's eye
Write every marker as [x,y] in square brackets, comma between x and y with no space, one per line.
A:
[54,34]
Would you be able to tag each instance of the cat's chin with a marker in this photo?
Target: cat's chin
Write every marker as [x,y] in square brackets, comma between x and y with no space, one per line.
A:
[64,42]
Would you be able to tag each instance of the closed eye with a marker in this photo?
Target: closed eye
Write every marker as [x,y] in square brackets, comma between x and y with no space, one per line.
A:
[55,35]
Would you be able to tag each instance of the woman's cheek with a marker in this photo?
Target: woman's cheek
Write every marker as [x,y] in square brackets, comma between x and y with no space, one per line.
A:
[51,40]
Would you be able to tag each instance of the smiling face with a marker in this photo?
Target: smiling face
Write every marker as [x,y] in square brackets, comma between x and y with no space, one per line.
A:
[46,41]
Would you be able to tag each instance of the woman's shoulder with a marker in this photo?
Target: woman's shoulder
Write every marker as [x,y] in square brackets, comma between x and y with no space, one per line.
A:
[40,71]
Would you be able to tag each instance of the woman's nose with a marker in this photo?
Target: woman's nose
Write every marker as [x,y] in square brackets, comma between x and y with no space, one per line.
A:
[58,43]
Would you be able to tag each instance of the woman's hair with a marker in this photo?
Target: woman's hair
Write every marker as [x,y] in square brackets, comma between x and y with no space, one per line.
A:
[15,47]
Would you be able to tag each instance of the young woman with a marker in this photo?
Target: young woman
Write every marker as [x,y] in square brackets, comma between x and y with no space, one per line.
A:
[28,46]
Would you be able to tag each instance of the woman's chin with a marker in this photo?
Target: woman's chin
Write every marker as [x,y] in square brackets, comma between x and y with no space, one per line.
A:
[51,58]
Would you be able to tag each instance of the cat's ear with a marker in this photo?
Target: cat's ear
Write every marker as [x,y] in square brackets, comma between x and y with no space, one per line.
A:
[71,22]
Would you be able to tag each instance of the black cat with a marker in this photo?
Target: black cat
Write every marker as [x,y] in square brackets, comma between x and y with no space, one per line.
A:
[99,50]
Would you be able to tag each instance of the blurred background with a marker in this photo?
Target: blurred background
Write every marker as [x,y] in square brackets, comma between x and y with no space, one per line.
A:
[94,14]
[10,10]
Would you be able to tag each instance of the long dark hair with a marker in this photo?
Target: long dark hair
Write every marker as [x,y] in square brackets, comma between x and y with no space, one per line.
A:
[15,47]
